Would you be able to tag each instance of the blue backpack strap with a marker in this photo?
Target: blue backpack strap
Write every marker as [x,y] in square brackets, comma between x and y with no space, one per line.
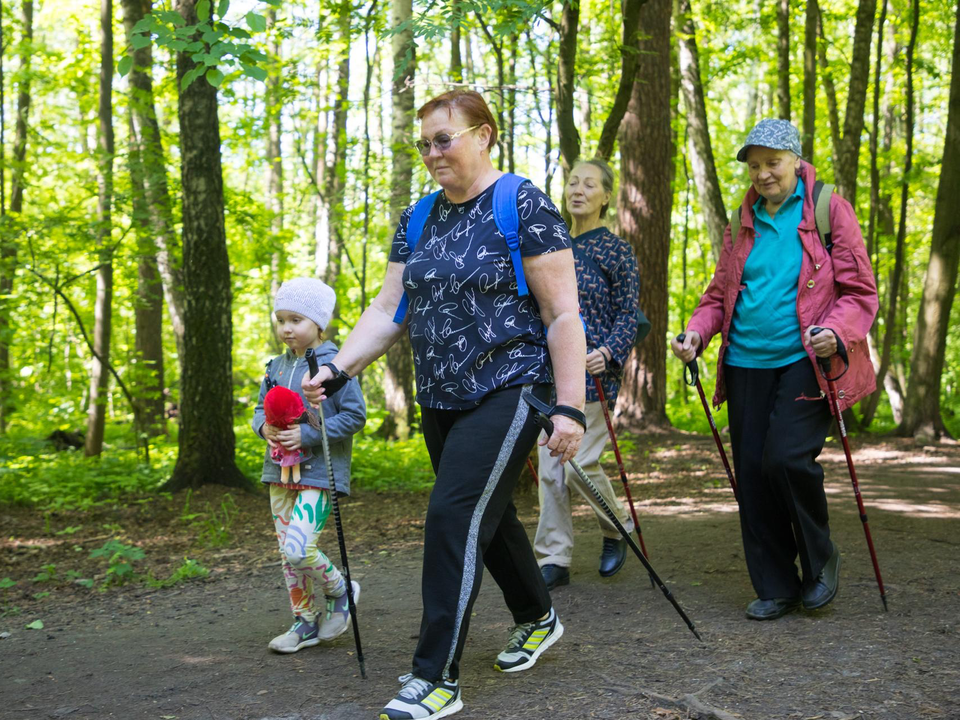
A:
[505,194]
[415,227]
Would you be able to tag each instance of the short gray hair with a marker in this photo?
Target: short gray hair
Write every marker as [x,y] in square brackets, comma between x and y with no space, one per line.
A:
[607,177]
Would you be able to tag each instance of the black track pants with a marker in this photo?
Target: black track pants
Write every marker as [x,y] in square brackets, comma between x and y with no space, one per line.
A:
[778,424]
[478,456]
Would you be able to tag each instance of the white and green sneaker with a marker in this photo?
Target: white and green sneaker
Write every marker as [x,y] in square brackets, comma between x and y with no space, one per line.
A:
[527,643]
[302,634]
[421,699]
[336,617]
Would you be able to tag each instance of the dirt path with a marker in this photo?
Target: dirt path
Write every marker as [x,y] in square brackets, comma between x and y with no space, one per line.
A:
[199,650]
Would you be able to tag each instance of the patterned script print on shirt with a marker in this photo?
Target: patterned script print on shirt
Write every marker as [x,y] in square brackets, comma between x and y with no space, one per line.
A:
[471,332]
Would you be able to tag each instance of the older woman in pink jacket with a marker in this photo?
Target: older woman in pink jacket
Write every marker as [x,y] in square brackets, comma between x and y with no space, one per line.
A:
[774,283]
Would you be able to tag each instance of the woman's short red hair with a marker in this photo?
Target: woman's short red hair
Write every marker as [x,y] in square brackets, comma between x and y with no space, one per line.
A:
[470,104]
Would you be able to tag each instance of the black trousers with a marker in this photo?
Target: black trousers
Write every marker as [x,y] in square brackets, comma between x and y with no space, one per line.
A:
[472,523]
[778,424]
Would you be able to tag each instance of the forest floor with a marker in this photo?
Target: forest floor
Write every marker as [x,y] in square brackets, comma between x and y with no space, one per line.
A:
[199,649]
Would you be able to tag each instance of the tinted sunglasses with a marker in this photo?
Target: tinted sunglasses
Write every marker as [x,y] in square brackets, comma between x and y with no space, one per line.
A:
[442,141]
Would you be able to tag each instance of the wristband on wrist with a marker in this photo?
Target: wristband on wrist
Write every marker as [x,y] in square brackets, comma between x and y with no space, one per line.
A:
[339,379]
[570,412]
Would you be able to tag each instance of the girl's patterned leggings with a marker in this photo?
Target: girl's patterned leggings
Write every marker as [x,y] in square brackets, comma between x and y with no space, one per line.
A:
[299,516]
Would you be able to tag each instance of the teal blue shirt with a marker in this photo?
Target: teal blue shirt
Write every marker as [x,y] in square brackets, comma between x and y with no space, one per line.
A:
[765,330]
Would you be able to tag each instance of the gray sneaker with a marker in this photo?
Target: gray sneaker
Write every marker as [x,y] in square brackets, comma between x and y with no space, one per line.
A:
[302,634]
[337,616]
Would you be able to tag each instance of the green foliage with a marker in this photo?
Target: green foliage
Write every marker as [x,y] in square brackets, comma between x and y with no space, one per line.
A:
[215,526]
[400,465]
[35,625]
[120,559]
[188,570]
[7,583]
[48,574]
[212,43]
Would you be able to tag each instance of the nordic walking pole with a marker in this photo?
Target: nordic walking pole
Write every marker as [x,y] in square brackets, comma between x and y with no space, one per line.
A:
[824,364]
[693,369]
[623,473]
[533,471]
[314,368]
[547,426]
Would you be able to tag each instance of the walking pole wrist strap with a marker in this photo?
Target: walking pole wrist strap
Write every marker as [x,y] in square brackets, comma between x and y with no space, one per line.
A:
[570,412]
[339,379]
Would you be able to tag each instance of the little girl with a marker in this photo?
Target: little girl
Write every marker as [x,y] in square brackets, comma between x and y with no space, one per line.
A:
[300,500]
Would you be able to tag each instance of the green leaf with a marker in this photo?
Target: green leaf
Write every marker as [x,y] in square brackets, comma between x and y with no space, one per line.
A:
[223,7]
[240,33]
[214,77]
[203,10]
[35,625]
[257,23]
[257,73]
[143,25]
[253,57]
[140,41]
[85,582]
[7,583]
[170,16]
[191,76]
[178,45]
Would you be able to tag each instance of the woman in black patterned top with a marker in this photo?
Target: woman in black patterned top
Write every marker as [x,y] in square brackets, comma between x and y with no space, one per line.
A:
[609,288]
[480,348]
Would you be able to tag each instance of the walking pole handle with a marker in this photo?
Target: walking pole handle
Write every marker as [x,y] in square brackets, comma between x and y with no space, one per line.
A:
[823,362]
[691,367]
[312,363]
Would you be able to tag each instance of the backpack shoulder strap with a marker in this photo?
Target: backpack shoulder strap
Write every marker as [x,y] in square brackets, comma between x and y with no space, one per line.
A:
[735,225]
[505,196]
[415,226]
[821,212]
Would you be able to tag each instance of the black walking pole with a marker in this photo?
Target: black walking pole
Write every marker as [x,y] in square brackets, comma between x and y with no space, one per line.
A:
[623,473]
[824,364]
[547,425]
[314,368]
[691,375]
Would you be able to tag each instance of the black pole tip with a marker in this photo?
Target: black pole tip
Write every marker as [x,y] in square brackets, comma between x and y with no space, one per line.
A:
[884,599]
[695,633]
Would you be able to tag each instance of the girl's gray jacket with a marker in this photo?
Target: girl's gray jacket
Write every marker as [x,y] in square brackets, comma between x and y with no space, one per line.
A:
[344,412]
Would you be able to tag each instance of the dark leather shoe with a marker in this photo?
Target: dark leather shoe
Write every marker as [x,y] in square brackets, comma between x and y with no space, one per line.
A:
[554,575]
[824,588]
[613,556]
[771,609]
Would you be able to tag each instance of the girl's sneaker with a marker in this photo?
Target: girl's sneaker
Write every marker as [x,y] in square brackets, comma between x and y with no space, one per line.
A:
[337,616]
[527,642]
[421,699]
[301,635]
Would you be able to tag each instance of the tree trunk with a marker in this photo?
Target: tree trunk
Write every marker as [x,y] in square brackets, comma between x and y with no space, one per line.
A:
[890,320]
[511,135]
[629,51]
[848,156]
[545,121]
[921,412]
[338,175]
[783,58]
[207,441]
[149,143]
[8,245]
[274,119]
[456,59]
[398,365]
[830,90]
[103,307]
[701,150]
[810,79]
[148,311]
[875,141]
[321,211]
[644,211]
[569,137]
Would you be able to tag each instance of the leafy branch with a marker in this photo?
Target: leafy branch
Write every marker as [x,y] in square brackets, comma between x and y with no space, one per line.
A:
[214,45]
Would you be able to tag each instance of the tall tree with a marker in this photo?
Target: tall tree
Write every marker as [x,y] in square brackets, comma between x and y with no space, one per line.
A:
[629,52]
[456,59]
[890,319]
[146,141]
[921,411]
[8,244]
[206,439]
[848,150]
[398,367]
[103,307]
[810,79]
[701,149]
[644,209]
[338,174]
[783,58]
[274,118]
[569,139]
[148,310]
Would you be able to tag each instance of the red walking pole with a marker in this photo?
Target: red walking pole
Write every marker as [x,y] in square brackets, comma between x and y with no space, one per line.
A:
[623,473]
[533,471]
[824,364]
[694,379]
